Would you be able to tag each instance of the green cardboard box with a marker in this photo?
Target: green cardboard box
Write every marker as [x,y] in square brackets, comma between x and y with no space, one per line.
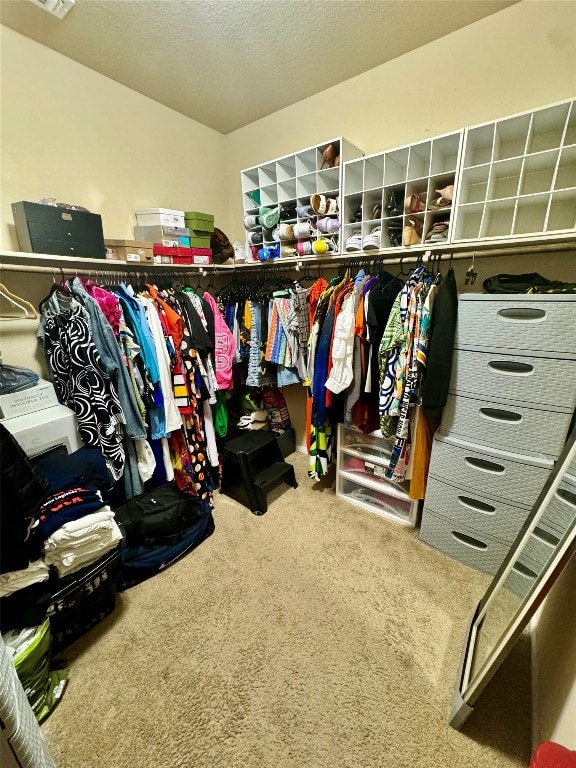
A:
[199,242]
[200,221]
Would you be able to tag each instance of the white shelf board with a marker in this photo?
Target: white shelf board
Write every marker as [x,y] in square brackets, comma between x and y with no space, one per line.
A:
[20,258]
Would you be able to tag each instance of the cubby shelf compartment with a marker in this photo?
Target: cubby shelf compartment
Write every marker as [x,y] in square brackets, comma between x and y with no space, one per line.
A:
[293,179]
[374,181]
[518,176]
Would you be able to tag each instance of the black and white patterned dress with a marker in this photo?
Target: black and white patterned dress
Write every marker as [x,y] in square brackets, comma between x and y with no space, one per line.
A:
[83,385]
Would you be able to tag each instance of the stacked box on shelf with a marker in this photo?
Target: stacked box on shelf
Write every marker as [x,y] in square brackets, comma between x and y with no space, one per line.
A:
[175,236]
[503,428]
[201,226]
[55,230]
[179,255]
[129,250]
[163,217]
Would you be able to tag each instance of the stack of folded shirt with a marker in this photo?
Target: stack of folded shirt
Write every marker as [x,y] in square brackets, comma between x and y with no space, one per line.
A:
[14,580]
[81,542]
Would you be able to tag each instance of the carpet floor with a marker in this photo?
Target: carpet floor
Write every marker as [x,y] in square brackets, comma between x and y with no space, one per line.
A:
[318,635]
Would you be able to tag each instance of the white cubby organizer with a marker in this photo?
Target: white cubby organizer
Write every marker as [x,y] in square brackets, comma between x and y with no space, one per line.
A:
[518,176]
[292,180]
[514,183]
[377,180]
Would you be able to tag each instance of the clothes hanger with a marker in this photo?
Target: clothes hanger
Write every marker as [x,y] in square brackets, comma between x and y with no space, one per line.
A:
[25,306]
[471,274]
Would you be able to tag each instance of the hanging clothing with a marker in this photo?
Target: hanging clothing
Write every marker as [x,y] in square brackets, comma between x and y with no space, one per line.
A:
[82,382]
[224,346]
[107,345]
[440,351]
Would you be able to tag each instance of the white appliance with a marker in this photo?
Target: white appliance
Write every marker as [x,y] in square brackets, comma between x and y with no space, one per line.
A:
[45,430]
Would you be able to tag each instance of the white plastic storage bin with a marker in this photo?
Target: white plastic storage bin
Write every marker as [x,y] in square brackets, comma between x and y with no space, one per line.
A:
[471,547]
[519,322]
[360,477]
[475,510]
[503,423]
[512,477]
[515,376]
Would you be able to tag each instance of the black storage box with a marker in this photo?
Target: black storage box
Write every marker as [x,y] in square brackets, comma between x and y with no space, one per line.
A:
[83,599]
[58,231]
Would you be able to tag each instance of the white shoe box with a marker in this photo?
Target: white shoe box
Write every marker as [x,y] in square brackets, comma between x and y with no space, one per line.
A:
[44,430]
[41,395]
[165,217]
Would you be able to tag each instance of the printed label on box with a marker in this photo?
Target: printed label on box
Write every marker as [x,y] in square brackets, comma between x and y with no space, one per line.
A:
[29,400]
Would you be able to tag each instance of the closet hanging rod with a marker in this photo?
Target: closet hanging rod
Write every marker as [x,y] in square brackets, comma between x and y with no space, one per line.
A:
[156,270]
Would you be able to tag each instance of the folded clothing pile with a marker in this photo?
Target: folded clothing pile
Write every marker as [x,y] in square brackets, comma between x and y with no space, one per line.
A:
[12,581]
[81,542]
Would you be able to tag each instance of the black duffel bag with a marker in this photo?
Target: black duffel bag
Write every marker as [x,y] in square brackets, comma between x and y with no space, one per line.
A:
[159,528]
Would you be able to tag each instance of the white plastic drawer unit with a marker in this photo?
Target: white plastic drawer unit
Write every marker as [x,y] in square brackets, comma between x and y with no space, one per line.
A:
[378,499]
[475,510]
[512,477]
[515,376]
[360,477]
[471,547]
[544,323]
[500,423]
[560,514]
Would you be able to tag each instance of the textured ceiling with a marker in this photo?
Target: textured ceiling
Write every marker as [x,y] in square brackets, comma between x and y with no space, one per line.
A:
[227,63]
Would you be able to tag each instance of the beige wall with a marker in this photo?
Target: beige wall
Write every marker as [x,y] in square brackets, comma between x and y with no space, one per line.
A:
[554,661]
[518,59]
[72,134]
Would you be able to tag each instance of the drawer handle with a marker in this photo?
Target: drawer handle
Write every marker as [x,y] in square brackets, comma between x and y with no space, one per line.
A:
[485,466]
[510,368]
[468,541]
[523,570]
[496,414]
[523,314]
[547,538]
[477,506]
[567,496]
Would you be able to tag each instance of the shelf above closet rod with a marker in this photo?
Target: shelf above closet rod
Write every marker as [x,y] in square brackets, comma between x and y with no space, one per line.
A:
[72,263]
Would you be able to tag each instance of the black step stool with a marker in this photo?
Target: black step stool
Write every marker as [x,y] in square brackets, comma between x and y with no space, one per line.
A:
[252,465]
